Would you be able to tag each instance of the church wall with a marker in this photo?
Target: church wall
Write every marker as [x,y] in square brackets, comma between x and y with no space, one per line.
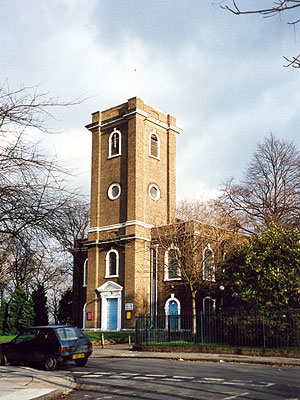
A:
[92,299]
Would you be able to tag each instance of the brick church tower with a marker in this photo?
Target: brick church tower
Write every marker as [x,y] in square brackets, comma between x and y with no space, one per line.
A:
[133,189]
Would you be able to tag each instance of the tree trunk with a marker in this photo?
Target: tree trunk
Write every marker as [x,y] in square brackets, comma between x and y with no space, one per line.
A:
[194,315]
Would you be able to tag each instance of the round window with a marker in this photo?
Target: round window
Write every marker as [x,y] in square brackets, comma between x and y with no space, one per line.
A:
[114,191]
[154,192]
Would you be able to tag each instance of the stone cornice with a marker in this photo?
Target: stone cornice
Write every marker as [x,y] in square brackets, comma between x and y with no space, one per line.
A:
[119,226]
[141,113]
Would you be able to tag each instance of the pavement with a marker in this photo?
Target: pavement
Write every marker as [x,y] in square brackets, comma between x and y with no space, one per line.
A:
[27,383]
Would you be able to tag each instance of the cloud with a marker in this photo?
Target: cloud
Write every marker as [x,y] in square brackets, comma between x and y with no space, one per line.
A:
[221,76]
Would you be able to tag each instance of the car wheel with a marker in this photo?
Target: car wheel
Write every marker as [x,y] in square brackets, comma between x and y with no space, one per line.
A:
[3,359]
[50,363]
[81,362]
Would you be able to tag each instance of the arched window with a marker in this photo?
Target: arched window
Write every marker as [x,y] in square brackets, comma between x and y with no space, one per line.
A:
[208,264]
[172,265]
[112,264]
[114,143]
[154,145]
[84,278]
[209,305]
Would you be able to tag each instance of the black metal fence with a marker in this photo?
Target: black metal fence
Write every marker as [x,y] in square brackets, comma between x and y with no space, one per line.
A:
[233,329]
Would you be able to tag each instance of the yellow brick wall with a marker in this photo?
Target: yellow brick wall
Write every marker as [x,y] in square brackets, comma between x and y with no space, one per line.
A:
[134,170]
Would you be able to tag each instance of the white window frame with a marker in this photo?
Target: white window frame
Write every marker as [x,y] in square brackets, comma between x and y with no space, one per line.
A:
[110,189]
[153,185]
[153,132]
[110,155]
[107,259]
[166,261]
[84,278]
[208,298]
[213,276]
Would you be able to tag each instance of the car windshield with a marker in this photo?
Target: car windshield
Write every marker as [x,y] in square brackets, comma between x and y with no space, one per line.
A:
[67,333]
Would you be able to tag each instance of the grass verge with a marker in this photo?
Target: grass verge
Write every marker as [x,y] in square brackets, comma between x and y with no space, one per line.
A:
[6,338]
[110,337]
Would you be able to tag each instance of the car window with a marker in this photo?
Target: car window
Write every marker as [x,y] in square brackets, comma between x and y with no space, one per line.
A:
[43,336]
[46,336]
[28,334]
[67,333]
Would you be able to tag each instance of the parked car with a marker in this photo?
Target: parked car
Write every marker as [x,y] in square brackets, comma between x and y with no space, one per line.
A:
[47,346]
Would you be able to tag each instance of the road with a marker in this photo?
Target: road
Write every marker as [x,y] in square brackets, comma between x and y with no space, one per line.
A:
[163,379]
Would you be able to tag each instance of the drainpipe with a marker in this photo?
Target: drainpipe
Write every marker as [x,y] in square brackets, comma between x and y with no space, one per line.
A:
[84,316]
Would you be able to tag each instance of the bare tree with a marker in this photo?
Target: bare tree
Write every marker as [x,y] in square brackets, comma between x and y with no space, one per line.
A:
[38,212]
[190,253]
[33,203]
[54,296]
[27,107]
[75,222]
[270,191]
[33,188]
[208,211]
[276,7]
[45,260]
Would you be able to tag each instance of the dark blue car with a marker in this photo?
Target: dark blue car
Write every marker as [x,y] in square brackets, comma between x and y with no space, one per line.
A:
[47,346]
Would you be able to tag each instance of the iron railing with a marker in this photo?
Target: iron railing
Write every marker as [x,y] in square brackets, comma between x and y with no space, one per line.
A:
[229,329]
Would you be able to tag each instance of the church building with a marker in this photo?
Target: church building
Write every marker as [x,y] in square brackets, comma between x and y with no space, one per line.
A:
[133,192]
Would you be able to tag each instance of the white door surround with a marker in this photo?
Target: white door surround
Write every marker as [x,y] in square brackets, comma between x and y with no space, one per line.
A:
[110,290]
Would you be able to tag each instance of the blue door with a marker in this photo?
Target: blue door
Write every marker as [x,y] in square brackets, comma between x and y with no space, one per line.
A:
[173,315]
[112,314]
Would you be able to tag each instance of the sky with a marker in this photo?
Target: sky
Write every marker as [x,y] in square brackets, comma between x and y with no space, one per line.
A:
[220,75]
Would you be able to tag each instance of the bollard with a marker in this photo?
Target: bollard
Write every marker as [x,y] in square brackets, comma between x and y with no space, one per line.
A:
[102,340]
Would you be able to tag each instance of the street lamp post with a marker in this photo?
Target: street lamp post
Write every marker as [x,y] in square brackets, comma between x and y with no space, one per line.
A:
[222,288]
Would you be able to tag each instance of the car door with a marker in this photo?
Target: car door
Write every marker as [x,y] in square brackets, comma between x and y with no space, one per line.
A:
[21,348]
[45,343]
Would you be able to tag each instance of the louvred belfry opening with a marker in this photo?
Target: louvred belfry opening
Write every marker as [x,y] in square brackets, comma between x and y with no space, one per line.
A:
[154,145]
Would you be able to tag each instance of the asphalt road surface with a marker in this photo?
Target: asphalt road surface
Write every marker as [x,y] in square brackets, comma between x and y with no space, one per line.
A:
[162,379]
